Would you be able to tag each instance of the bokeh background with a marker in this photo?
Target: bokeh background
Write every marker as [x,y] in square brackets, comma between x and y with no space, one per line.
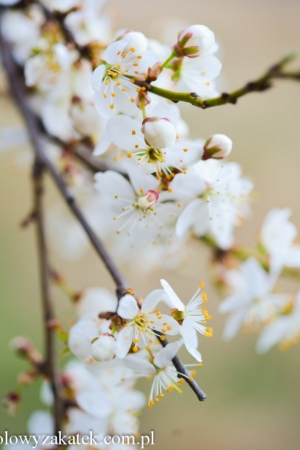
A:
[252,401]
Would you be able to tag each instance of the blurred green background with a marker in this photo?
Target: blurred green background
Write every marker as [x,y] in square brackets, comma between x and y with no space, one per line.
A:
[252,401]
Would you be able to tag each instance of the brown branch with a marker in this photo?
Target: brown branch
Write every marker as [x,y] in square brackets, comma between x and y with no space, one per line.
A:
[50,356]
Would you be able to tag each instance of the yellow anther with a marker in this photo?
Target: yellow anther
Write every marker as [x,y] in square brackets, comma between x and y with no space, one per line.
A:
[132,100]
[118,83]
[124,89]
[113,94]
[139,57]
[185,149]
[163,330]
[133,132]
[135,349]
[104,95]
[136,340]
[135,64]
[136,145]
[129,155]
[204,297]
[170,189]
[114,218]
[132,49]
[200,364]
[106,82]
[169,327]
[162,338]
[124,55]
[202,285]
[116,196]
[111,106]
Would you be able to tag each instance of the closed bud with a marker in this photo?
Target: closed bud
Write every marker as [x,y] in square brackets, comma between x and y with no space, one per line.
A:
[11,403]
[103,347]
[217,146]
[195,36]
[25,348]
[159,133]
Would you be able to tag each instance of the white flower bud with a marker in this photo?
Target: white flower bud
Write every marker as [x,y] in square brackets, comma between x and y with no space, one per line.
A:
[201,37]
[217,146]
[103,348]
[159,133]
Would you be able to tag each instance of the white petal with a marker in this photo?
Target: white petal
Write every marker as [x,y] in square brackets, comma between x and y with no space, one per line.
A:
[189,334]
[165,355]
[124,341]
[175,300]
[95,403]
[128,307]
[233,324]
[153,299]
[141,180]
[111,54]
[194,215]
[113,184]
[41,423]
[195,353]
[97,77]
[272,334]
[139,365]
[120,129]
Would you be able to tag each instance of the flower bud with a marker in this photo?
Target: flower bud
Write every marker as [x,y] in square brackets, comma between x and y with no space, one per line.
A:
[103,347]
[148,200]
[159,133]
[196,36]
[217,146]
[11,403]
[25,348]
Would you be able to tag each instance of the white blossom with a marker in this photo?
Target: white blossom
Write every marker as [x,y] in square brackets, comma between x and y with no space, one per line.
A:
[142,323]
[192,317]
[252,303]
[112,80]
[283,330]
[278,236]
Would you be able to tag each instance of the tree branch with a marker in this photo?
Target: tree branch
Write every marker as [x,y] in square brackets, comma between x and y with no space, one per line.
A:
[50,357]
[259,85]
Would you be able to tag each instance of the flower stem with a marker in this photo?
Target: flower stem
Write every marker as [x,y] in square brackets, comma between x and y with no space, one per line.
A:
[169,59]
[261,84]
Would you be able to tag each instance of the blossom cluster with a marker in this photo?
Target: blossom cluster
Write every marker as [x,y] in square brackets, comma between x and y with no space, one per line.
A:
[161,186]
[256,301]
[149,192]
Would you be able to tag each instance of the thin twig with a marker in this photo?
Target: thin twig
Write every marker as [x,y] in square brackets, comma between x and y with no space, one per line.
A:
[259,85]
[50,357]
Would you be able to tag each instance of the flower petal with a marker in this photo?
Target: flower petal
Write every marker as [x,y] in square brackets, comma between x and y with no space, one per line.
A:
[125,132]
[128,307]
[153,299]
[173,297]
[124,341]
[165,355]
